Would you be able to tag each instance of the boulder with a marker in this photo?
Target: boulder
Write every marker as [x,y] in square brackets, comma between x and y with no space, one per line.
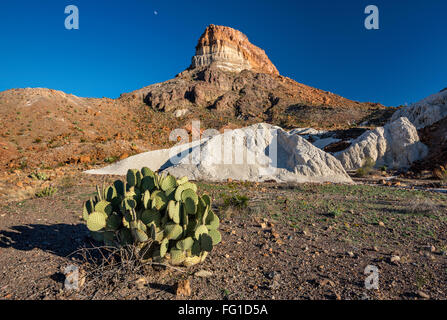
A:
[395,145]
[425,112]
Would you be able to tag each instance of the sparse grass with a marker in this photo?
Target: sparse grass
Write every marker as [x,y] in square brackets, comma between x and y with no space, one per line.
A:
[357,209]
[67,182]
[23,164]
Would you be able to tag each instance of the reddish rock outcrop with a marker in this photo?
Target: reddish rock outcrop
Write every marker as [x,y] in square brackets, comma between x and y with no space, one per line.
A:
[229,49]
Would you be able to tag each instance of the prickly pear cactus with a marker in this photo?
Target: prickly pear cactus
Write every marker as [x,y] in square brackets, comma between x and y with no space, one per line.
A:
[162,217]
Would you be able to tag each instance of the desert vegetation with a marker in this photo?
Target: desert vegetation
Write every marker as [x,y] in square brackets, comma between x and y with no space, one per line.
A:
[160,218]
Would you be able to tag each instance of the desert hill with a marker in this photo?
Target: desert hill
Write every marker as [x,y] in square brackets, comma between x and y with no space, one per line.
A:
[232,77]
[230,83]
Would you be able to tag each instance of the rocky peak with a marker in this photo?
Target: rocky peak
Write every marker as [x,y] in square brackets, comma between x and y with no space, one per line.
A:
[229,49]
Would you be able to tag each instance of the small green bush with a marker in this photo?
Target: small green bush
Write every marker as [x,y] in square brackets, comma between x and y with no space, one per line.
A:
[38,176]
[335,212]
[110,159]
[366,168]
[46,192]
[235,200]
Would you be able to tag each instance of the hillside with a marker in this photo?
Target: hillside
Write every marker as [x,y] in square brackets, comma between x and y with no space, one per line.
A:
[230,83]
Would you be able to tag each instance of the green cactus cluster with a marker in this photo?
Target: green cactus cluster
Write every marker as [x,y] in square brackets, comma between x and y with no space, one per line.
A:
[163,217]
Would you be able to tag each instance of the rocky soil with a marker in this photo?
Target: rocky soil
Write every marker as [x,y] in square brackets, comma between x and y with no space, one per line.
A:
[290,242]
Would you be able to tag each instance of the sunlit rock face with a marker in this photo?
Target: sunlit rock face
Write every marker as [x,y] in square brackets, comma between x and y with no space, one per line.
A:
[230,50]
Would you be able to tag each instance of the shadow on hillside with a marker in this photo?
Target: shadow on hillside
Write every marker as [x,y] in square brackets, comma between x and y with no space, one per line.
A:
[58,239]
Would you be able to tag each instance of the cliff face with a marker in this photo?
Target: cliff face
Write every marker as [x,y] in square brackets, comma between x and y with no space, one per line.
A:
[230,50]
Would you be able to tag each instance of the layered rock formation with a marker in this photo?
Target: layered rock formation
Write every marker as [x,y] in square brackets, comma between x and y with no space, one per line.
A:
[254,97]
[425,112]
[230,50]
[395,145]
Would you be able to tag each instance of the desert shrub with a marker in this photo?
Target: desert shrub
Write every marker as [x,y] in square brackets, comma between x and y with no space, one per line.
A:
[235,200]
[46,192]
[334,211]
[366,168]
[159,217]
[441,173]
[233,203]
[23,164]
[423,206]
[38,176]
[67,181]
[110,159]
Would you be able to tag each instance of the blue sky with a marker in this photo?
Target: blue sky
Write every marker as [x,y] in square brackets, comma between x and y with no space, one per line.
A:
[123,45]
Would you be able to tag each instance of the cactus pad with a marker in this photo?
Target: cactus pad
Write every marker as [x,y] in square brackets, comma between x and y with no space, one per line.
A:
[148,183]
[173,231]
[96,221]
[159,200]
[151,216]
[131,177]
[185,244]
[104,207]
[182,181]
[146,172]
[167,183]
[177,256]
[199,231]
[215,236]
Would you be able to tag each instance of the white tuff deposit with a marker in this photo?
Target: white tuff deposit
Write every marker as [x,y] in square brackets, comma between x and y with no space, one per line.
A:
[395,145]
[257,153]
